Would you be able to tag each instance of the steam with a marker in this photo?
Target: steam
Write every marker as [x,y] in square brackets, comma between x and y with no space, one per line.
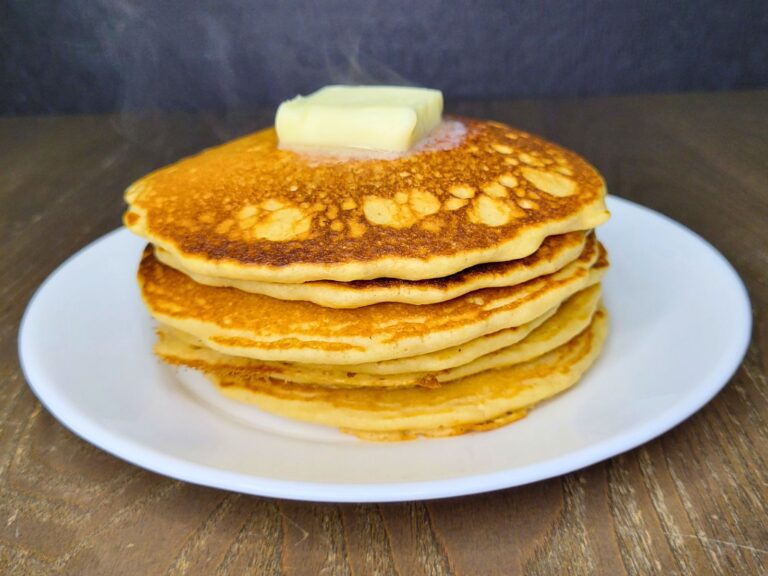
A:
[161,89]
[227,66]
[346,63]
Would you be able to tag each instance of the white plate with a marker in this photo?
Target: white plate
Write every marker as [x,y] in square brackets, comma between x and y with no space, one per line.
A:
[680,325]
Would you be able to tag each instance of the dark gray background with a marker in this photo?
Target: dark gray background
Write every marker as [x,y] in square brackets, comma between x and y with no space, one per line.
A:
[105,55]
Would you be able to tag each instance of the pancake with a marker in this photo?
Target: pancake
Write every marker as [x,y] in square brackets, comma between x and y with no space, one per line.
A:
[569,320]
[554,253]
[256,326]
[475,192]
[430,362]
[450,357]
[480,402]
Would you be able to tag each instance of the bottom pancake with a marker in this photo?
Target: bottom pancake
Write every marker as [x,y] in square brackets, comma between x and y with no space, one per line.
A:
[480,402]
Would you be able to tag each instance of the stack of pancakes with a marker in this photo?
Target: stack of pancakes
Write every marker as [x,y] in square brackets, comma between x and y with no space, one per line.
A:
[440,291]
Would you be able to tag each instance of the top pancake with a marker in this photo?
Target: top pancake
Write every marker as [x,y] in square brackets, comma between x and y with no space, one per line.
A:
[475,192]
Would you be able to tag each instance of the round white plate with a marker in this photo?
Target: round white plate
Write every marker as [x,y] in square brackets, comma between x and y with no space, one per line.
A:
[680,325]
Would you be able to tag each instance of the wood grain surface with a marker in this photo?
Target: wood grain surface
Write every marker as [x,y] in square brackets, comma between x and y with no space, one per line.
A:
[690,502]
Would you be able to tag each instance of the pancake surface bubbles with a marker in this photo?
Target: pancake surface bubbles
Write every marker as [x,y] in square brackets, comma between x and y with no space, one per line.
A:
[477,192]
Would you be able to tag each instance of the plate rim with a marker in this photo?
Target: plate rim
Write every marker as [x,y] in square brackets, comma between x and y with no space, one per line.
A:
[149,458]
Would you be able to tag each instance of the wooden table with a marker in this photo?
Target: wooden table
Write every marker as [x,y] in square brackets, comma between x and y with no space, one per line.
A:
[691,502]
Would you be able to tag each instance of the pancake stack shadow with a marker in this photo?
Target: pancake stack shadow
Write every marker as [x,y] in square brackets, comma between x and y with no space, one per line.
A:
[431,294]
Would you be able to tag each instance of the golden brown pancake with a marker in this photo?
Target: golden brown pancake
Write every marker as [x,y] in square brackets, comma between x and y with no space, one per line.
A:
[430,362]
[251,211]
[554,253]
[479,402]
[439,360]
[569,320]
[242,324]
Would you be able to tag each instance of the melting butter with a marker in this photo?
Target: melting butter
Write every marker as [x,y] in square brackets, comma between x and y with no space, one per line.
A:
[389,118]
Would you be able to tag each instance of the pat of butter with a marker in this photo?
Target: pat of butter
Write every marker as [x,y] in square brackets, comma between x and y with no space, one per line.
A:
[391,118]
